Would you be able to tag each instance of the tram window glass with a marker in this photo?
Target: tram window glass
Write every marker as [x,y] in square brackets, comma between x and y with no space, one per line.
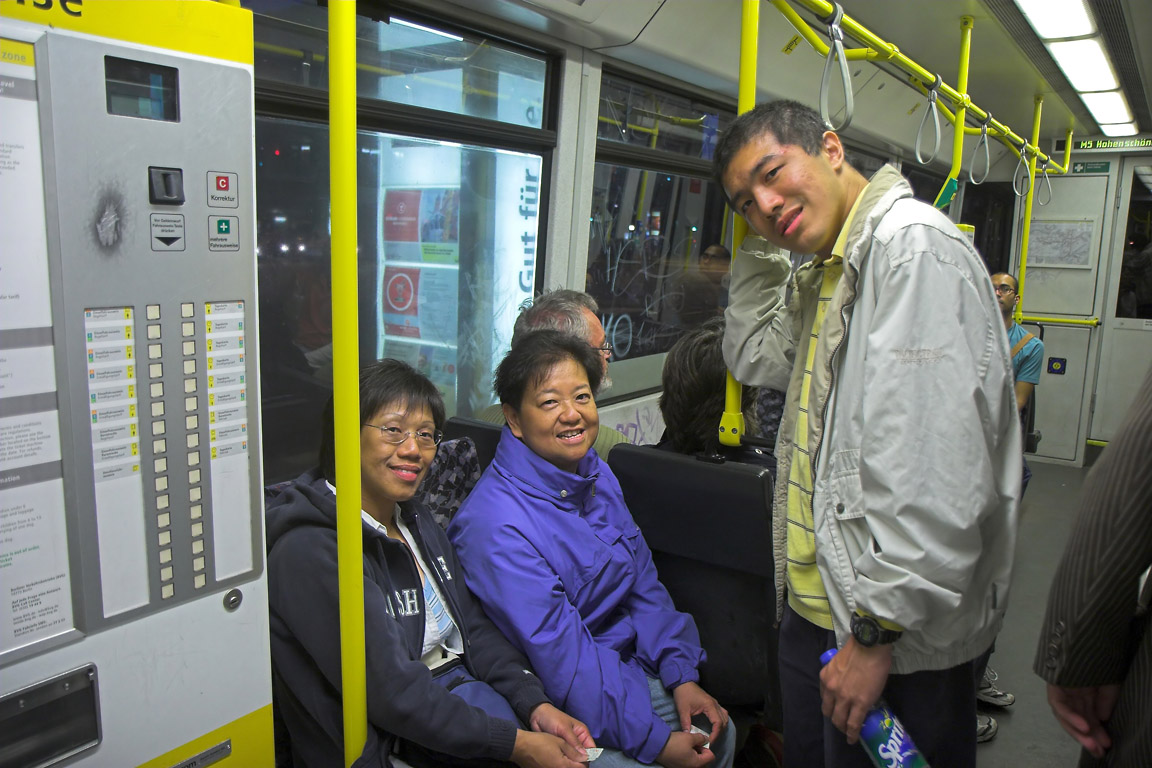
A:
[640,115]
[403,62]
[990,208]
[446,254]
[864,162]
[648,229]
[925,186]
[1135,295]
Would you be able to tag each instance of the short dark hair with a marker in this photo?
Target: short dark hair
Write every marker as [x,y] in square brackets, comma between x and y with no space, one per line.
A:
[694,380]
[790,122]
[382,383]
[559,310]
[534,355]
[1015,281]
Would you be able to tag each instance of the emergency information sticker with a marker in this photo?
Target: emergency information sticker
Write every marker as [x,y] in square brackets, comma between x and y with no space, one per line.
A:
[222,192]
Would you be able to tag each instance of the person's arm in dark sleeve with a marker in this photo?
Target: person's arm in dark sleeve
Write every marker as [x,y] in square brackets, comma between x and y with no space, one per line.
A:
[403,698]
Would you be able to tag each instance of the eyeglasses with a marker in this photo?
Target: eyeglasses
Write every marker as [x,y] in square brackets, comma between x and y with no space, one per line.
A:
[604,349]
[396,436]
[1004,288]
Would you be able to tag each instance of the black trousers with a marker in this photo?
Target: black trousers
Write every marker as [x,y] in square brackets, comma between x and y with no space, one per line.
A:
[937,708]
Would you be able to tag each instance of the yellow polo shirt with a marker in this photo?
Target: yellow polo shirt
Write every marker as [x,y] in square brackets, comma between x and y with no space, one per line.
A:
[806,593]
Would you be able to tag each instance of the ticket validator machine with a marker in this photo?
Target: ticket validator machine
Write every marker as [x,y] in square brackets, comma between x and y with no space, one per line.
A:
[133,593]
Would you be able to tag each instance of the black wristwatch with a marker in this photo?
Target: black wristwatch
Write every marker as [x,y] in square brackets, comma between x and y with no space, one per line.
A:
[869,633]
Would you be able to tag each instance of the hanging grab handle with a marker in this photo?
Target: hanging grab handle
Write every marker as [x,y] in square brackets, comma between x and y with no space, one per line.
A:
[981,142]
[933,110]
[1047,180]
[1016,173]
[835,50]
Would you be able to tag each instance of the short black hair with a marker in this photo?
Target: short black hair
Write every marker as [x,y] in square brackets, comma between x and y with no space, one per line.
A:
[790,122]
[694,381]
[532,358]
[382,383]
[1015,281]
[559,310]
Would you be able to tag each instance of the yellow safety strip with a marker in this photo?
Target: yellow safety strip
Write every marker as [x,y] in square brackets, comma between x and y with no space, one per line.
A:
[251,738]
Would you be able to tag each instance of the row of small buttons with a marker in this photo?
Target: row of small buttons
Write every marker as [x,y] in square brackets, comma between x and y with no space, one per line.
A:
[160,447]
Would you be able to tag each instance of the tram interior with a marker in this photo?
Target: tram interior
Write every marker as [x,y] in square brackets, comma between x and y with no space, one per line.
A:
[506,147]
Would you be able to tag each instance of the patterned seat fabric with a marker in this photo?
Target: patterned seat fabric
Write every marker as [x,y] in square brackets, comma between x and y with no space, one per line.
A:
[453,474]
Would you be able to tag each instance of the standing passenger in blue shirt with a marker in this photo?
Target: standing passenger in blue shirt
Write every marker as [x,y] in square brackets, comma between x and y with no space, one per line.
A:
[549,547]
[1027,350]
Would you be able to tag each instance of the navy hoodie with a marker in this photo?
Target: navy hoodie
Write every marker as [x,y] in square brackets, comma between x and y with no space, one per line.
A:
[403,699]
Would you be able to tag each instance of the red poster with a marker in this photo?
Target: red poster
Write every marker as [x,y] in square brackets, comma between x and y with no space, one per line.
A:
[401,289]
[402,215]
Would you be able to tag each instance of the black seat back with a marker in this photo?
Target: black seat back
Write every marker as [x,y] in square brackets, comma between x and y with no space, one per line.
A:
[710,531]
[484,436]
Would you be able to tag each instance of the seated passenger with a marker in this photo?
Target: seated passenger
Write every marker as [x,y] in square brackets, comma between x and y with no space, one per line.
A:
[425,633]
[572,312]
[694,380]
[550,549]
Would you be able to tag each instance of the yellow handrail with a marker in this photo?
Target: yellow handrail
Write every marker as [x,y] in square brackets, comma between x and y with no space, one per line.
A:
[1093,321]
[345,369]
[884,51]
[1027,228]
[732,421]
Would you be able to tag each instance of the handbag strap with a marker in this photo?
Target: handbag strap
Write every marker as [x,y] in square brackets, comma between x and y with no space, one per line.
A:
[1020,344]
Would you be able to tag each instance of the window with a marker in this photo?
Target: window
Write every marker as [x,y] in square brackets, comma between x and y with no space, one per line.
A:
[405,63]
[447,228]
[655,211]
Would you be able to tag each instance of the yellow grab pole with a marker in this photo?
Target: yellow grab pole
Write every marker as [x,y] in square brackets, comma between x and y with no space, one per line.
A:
[1093,321]
[346,376]
[732,421]
[1028,207]
[961,111]
[878,49]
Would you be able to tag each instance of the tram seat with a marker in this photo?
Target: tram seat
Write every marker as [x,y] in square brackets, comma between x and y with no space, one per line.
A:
[485,436]
[454,472]
[709,528]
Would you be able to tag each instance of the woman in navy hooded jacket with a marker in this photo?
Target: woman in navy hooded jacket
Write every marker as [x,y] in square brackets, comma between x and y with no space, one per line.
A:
[549,547]
[430,649]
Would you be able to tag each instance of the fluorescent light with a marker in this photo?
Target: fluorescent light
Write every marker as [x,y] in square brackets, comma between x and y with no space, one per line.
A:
[1057,18]
[1085,64]
[429,30]
[1109,107]
[1119,129]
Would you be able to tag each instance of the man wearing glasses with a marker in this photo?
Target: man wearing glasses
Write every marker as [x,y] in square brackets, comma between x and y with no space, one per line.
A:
[1027,349]
[1027,352]
[572,312]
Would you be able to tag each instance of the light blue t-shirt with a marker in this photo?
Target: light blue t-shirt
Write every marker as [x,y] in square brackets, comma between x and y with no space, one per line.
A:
[1026,363]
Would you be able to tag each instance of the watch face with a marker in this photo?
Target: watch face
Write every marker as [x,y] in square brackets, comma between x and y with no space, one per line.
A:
[866,630]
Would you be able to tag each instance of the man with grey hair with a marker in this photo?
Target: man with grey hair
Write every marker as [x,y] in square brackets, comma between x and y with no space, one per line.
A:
[572,312]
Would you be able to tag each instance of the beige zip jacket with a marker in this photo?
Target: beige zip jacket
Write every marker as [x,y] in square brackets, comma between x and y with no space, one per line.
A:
[916,444]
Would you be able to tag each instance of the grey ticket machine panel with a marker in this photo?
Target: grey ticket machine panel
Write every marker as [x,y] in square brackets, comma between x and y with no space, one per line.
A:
[150,239]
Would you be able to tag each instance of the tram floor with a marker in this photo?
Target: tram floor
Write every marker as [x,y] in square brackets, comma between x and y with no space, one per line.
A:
[1028,734]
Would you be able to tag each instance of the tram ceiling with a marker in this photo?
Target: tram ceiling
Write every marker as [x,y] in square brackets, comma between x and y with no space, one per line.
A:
[1009,65]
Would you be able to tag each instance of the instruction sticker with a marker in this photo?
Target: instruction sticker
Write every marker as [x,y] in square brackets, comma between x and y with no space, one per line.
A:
[167,231]
[223,233]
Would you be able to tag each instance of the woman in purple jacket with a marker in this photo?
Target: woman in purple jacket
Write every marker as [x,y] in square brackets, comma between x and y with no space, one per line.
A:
[549,547]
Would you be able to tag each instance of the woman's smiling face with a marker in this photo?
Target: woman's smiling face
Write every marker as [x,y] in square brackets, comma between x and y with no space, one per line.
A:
[557,417]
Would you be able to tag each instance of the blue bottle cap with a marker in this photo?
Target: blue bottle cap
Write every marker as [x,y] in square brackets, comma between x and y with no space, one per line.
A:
[827,656]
